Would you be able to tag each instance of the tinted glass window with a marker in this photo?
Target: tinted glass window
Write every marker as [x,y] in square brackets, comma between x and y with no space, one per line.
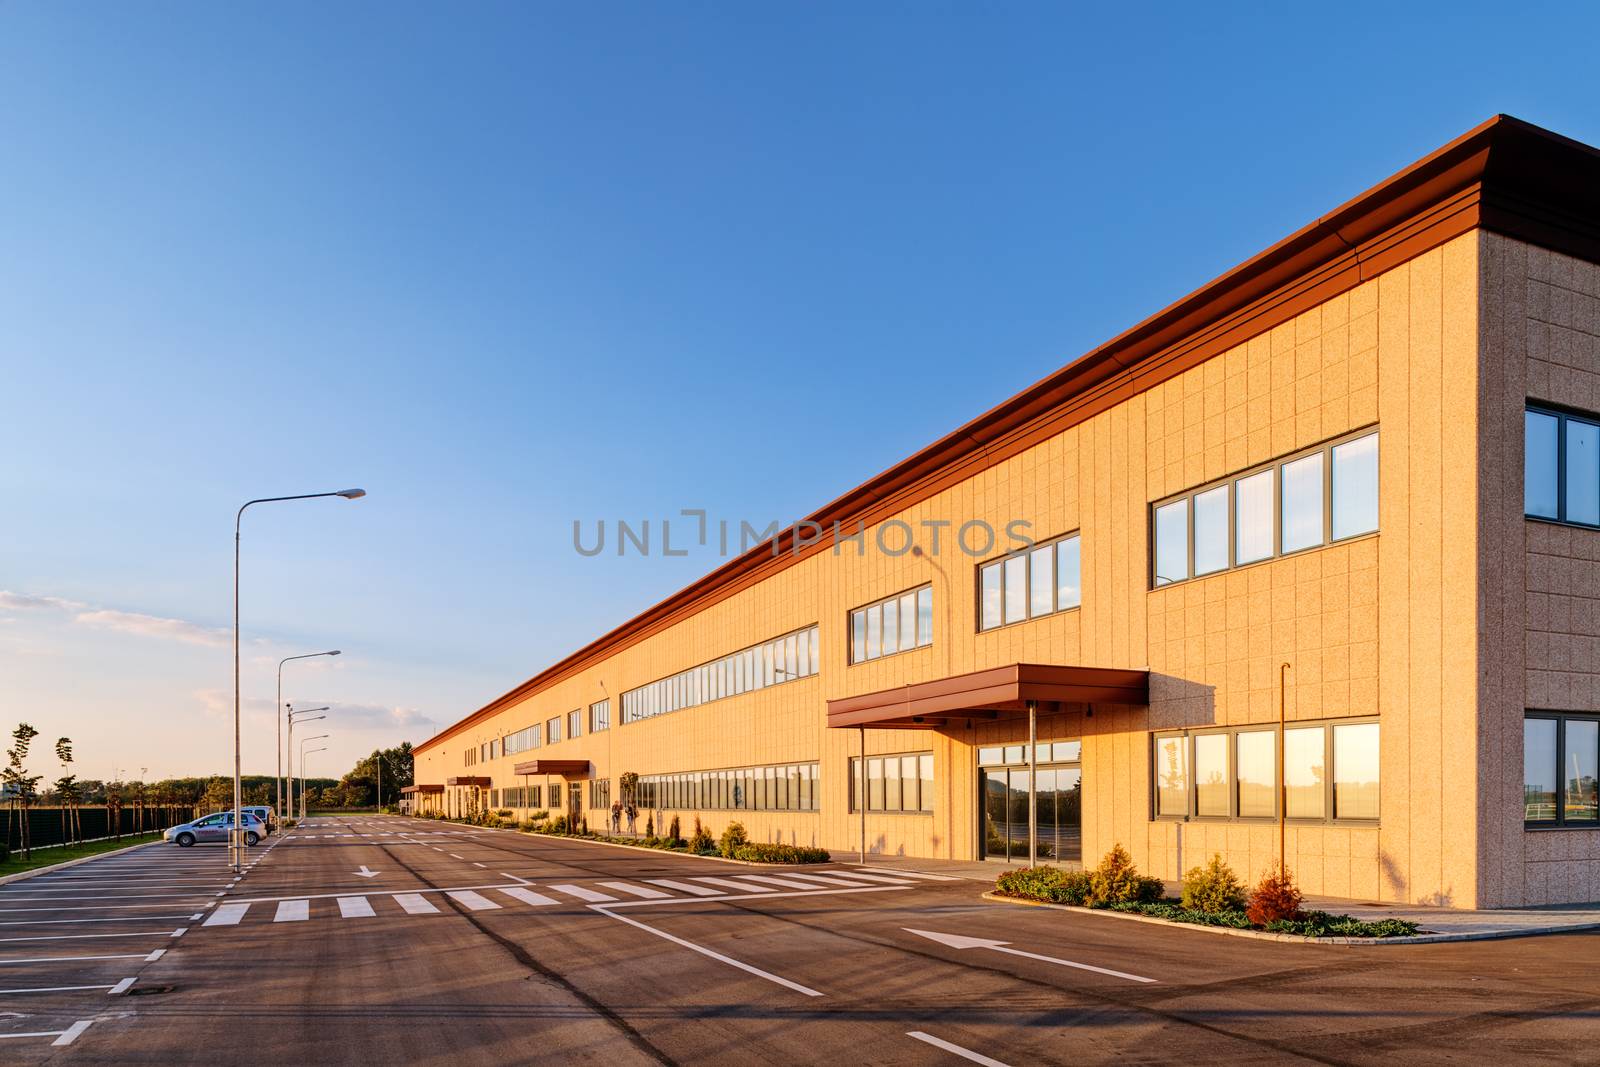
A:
[1069,591]
[1211,530]
[1172,776]
[1578,771]
[1355,771]
[1355,487]
[1211,775]
[1304,773]
[1257,757]
[1583,472]
[1302,503]
[1172,542]
[1539,770]
[1539,464]
[1253,518]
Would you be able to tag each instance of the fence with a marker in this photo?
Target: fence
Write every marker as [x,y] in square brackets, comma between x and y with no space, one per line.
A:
[48,826]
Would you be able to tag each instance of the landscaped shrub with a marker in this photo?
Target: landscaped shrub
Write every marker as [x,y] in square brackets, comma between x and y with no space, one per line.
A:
[1118,881]
[1275,899]
[557,825]
[756,852]
[1046,883]
[649,826]
[504,813]
[672,829]
[701,843]
[732,838]
[1213,889]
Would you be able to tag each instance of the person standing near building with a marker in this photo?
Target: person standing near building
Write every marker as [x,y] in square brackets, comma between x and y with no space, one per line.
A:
[616,815]
[633,813]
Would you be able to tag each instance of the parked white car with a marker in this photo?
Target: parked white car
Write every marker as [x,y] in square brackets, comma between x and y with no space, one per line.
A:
[215,827]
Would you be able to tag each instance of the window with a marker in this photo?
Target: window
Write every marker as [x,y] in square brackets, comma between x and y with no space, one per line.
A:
[600,793]
[552,729]
[521,741]
[1325,495]
[575,723]
[782,659]
[1039,581]
[1560,765]
[901,783]
[781,787]
[599,716]
[892,625]
[536,796]
[1330,772]
[1561,467]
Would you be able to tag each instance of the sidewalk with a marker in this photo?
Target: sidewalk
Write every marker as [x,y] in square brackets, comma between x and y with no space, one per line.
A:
[1449,924]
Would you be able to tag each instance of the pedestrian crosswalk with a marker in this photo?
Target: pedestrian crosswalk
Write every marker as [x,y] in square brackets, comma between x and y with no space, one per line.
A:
[608,893]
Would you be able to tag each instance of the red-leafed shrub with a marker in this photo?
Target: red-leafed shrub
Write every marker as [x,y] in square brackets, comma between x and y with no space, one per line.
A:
[1275,899]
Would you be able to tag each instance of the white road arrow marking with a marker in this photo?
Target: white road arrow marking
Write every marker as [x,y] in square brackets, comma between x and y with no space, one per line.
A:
[365,873]
[959,942]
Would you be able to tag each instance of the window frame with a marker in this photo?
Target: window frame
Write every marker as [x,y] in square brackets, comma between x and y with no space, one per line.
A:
[998,563]
[1560,718]
[1562,415]
[1231,483]
[746,670]
[600,716]
[858,773]
[1329,816]
[877,606]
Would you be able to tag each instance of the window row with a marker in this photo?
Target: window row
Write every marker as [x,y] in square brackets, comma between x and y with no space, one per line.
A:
[522,740]
[784,787]
[1304,502]
[1560,764]
[902,782]
[896,624]
[600,793]
[470,756]
[1025,585]
[1044,752]
[524,797]
[782,659]
[1561,467]
[1330,772]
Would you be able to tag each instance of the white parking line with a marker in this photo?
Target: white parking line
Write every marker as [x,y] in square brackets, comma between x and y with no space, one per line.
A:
[636,890]
[121,987]
[955,1050]
[60,922]
[62,1037]
[77,959]
[81,937]
[702,950]
[473,901]
[292,911]
[581,893]
[415,904]
[827,879]
[354,908]
[527,896]
[686,887]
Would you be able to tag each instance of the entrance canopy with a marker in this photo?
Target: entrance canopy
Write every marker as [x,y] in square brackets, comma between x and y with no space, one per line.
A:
[481,783]
[996,693]
[412,789]
[567,768]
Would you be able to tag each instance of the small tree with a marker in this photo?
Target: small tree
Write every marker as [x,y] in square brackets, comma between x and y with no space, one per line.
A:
[67,790]
[19,782]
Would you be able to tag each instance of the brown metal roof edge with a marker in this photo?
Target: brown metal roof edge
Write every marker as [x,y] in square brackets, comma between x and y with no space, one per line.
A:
[1007,688]
[1539,188]
[480,782]
[422,789]
[551,766]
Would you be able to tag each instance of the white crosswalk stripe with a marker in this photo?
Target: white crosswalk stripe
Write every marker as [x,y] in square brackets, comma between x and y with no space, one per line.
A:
[473,901]
[686,887]
[786,883]
[226,915]
[415,904]
[582,893]
[729,883]
[292,911]
[637,890]
[354,907]
[528,896]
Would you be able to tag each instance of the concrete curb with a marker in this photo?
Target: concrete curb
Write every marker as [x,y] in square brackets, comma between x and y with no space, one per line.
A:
[21,876]
[642,848]
[1429,938]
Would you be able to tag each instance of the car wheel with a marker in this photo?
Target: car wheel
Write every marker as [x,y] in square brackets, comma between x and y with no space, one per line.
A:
[185,840]
[251,837]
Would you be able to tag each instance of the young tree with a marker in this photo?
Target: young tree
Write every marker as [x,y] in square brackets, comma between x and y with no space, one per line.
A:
[67,791]
[18,782]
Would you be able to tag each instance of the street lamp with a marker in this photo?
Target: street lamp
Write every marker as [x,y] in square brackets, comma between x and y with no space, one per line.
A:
[303,755]
[294,717]
[236,835]
[277,721]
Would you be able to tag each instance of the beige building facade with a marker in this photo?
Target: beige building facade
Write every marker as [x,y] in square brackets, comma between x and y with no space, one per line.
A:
[1277,572]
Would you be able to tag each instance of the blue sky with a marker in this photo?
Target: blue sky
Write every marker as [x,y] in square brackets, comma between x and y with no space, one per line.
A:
[511,265]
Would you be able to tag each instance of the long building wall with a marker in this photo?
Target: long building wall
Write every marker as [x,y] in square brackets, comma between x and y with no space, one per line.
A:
[1381,625]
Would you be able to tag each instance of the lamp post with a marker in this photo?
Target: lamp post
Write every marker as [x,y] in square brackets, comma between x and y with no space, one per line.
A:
[277,721]
[236,834]
[293,717]
[303,754]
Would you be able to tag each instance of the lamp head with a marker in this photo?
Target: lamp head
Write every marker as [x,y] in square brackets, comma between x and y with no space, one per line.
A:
[351,494]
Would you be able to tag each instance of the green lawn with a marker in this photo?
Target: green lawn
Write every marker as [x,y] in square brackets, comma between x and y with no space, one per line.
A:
[44,857]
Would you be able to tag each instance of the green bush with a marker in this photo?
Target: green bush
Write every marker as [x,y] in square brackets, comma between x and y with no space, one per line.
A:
[672,830]
[1046,883]
[557,825]
[701,843]
[1213,889]
[733,838]
[763,853]
[504,813]
[1118,881]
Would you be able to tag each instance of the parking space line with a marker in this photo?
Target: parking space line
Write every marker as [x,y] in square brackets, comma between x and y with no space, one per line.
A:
[69,988]
[636,890]
[709,953]
[527,896]
[954,1050]
[415,904]
[354,908]
[121,987]
[227,915]
[76,959]
[81,937]
[62,1037]
[60,922]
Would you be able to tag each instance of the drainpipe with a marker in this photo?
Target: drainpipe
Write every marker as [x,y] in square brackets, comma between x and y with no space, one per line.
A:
[1033,784]
[861,794]
[1283,787]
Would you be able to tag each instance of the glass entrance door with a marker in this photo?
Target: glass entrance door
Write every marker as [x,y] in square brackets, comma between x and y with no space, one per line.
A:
[1005,813]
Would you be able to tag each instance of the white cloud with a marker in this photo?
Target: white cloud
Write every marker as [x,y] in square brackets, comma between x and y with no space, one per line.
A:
[133,622]
[130,622]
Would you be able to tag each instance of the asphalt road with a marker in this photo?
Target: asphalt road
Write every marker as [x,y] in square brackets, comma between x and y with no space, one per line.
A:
[386,940]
